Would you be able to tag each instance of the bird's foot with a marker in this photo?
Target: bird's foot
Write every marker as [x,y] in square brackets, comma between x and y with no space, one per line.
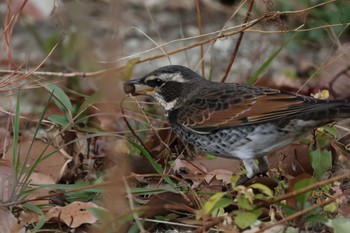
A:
[242,180]
[262,174]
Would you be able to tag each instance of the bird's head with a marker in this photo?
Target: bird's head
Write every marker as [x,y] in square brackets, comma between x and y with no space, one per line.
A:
[168,85]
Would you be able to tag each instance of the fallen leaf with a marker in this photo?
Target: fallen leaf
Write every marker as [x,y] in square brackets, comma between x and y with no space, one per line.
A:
[52,165]
[8,222]
[190,170]
[5,180]
[74,214]
[35,178]
[220,174]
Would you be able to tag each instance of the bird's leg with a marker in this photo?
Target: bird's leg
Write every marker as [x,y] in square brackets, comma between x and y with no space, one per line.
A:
[263,165]
[251,168]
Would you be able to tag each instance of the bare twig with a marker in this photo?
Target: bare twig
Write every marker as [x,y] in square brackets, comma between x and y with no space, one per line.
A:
[307,189]
[232,59]
[223,29]
[300,213]
[130,128]
[151,126]
[132,207]
[199,19]
[10,21]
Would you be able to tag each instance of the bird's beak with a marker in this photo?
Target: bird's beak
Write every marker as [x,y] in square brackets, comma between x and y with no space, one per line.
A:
[137,87]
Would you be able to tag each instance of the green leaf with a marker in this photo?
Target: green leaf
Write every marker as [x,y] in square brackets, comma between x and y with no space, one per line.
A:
[60,120]
[288,210]
[331,207]
[292,230]
[332,131]
[214,203]
[210,156]
[243,203]
[302,198]
[222,203]
[321,161]
[61,99]
[209,205]
[341,225]
[315,218]
[246,219]
[102,215]
[263,188]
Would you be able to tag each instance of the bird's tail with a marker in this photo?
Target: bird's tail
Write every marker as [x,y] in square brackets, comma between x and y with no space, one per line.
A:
[336,110]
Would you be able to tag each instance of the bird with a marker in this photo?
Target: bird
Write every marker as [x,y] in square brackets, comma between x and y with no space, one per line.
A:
[234,120]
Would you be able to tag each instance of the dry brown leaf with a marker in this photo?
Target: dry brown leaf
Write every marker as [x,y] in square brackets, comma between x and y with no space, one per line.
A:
[52,166]
[8,222]
[197,173]
[35,178]
[74,214]
[29,217]
[5,179]
[233,165]
[190,170]
[220,175]
[159,140]
[40,178]
[5,140]
[159,201]
[292,160]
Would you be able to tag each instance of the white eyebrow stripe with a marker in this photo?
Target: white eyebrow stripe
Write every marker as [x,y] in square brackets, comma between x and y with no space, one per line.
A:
[179,78]
[175,77]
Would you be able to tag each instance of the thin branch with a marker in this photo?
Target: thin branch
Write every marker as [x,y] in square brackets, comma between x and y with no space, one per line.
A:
[155,25]
[232,59]
[300,213]
[132,207]
[199,19]
[223,29]
[306,189]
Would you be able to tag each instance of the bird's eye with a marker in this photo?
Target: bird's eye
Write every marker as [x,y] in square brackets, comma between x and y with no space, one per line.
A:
[155,82]
[158,82]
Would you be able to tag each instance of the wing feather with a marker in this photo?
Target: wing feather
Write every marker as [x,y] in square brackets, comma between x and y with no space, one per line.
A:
[236,107]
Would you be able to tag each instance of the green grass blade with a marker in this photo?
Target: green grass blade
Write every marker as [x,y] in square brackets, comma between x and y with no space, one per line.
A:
[154,164]
[262,68]
[24,170]
[61,99]
[15,152]
[37,210]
